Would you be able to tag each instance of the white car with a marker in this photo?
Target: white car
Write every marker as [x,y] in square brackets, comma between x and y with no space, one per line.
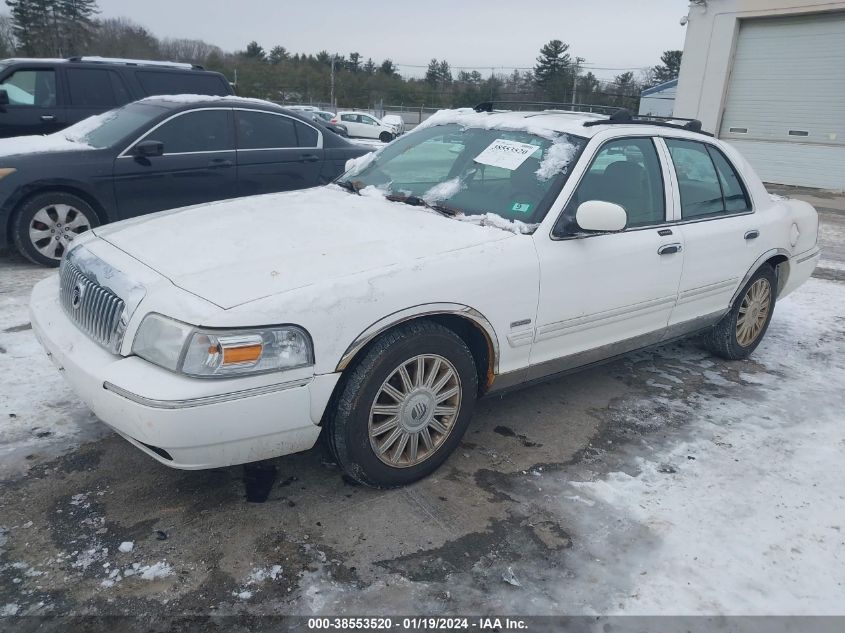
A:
[396,122]
[480,252]
[363,125]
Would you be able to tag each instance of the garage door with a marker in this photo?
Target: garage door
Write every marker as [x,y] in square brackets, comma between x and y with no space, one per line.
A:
[785,106]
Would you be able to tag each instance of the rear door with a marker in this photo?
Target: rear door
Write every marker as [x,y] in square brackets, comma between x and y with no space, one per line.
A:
[353,124]
[276,152]
[719,228]
[35,105]
[198,164]
[92,91]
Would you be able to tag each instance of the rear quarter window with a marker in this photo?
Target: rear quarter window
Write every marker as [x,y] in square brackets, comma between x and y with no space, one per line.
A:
[156,82]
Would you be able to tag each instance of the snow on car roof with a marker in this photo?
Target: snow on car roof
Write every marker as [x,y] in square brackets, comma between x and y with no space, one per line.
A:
[191,98]
[545,123]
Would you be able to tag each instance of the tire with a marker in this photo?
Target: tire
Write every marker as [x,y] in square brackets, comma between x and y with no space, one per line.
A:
[385,137]
[733,338]
[364,404]
[45,225]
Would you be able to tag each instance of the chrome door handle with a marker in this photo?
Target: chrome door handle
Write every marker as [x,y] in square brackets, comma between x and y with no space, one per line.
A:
[753,234]
[48,118]
[669,249]
[220,162]
[309,158]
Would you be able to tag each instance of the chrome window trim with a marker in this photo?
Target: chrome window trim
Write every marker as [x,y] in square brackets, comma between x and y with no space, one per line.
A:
[123,154]
[188,403]
[319,144]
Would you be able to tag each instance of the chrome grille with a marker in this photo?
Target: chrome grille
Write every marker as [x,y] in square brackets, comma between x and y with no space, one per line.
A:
[94,309]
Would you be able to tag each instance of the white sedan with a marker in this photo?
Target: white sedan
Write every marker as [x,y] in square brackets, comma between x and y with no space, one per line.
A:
[482,251]
[363,125]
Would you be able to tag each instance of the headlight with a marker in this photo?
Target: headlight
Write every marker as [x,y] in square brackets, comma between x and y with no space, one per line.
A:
[208,353]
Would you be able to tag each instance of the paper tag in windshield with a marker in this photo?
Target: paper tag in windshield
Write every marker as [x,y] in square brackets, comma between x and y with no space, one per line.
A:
[506,154]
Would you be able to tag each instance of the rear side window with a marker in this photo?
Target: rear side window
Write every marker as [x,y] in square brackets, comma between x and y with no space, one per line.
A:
[34,88]
[93,87]
[704,190]
[306,135]
[154,82]
[736,199]
[262,130]
[201,131]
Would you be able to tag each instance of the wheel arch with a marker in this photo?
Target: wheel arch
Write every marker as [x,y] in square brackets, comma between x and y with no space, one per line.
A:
[468,323]
[63,187]
[777,258]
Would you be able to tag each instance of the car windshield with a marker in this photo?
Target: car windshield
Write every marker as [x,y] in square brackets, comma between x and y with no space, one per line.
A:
[472,171]
[104,130]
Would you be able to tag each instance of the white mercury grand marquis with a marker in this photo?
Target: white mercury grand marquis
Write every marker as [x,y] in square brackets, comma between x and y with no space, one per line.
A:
[484,250]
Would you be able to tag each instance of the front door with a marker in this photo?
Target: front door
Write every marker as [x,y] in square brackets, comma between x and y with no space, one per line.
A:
[34,106]
[276,153]
[198,165]
[606,294]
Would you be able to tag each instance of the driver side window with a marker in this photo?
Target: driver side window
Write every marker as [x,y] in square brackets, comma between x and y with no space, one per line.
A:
[626,172]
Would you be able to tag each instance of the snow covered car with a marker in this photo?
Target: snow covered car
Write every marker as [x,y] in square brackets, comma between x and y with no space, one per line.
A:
[480,252]
[396,122]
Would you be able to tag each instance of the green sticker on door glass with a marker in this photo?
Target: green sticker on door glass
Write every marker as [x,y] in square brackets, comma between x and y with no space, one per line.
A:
[521,207]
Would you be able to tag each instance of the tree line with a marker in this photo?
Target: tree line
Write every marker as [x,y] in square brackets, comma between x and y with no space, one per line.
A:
[65,28]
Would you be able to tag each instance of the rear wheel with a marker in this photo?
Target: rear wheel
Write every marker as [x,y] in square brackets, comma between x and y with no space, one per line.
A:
[385,137]
[46,225]
[404,408]
[741,330]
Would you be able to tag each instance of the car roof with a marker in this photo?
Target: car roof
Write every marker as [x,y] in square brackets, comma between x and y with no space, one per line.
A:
[548,122]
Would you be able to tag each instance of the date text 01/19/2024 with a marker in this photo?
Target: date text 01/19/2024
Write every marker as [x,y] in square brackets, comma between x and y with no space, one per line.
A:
[418,624]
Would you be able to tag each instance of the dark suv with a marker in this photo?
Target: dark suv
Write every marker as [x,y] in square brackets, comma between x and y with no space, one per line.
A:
[41,96]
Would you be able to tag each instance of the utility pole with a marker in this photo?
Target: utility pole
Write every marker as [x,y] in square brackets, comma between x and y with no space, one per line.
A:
[331,98]
[578,62]
[492,82]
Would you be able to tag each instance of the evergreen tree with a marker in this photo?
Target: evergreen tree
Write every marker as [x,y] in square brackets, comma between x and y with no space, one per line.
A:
[75,25]
[370,66]
[278,54]
[432,74]
[388,68]
[354,63]
[669,69]
[553,63]
[34,27]
[255,51]
[444,73]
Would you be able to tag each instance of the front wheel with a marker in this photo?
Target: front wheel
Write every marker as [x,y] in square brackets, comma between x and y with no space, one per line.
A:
[385,137]
[741,330]
[46,225]
[403,409]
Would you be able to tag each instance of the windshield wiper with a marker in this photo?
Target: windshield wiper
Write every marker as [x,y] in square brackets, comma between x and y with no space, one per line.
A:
[348,185]
[416,201]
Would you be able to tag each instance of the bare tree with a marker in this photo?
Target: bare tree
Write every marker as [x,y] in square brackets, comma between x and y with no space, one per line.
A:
[121,37]
[187,50]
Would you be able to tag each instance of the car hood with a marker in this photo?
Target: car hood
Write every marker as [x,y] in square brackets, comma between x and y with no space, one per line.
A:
[240,250]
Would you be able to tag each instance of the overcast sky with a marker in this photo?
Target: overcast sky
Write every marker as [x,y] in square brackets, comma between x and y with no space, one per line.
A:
[611,34]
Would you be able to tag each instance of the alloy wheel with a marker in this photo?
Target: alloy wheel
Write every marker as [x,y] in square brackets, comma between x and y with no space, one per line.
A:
[53,228]
[753,312]
[415,410]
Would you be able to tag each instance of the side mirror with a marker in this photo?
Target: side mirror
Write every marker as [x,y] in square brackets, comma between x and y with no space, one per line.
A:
[4,98]
[146,149]
[598,216]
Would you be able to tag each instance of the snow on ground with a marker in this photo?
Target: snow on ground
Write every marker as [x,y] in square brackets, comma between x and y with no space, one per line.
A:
[39,415]
[730,502]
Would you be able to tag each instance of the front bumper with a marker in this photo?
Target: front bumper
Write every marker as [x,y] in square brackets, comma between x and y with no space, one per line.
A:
[183,422]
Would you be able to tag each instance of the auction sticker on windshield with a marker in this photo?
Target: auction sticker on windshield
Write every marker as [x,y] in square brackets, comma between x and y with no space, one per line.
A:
[505,154]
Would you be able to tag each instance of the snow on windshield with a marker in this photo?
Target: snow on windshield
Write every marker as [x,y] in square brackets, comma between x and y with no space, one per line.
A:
[443,191]
[556,159]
